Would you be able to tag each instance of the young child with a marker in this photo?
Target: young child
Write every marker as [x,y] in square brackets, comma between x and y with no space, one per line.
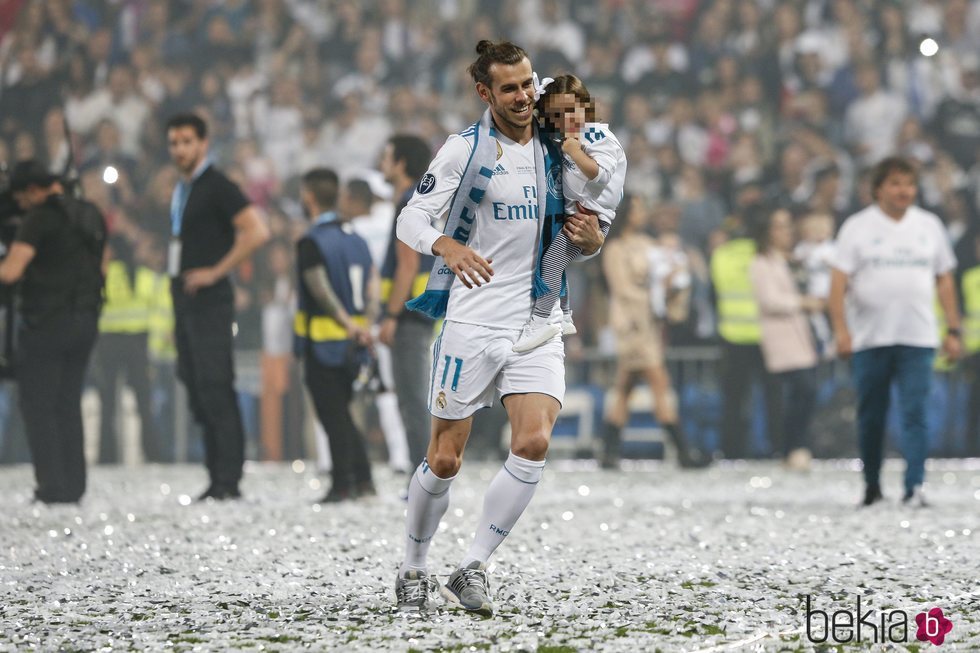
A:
[815,252]
[593,174]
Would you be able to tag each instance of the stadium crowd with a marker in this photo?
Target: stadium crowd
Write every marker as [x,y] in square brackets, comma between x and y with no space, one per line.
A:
[720,104]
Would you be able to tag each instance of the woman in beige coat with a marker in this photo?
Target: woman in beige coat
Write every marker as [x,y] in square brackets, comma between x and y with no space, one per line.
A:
[639,338]
[787,342]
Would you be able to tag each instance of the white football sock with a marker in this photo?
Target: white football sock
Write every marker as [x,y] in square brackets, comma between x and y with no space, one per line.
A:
[507,496]
[428,499]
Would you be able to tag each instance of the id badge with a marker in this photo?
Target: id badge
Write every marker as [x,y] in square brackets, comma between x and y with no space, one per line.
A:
[173,258]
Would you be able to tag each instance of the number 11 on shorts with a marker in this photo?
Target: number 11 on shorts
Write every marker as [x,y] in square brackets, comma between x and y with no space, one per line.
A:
[456,372]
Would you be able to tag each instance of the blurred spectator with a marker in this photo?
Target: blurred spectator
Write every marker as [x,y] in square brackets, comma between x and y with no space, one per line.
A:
[787,344]
[280,128]
[957,120]
[374,227]
[814,252]
[122,350]
[354,138]
[404,274]
[873,120]
[701,211]
[633,264]
[969,286]
[741,367]
[547,28]
[894,262]
[278,305]
[56,146]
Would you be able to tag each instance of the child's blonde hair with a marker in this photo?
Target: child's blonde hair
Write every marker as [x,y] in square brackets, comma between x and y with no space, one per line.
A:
[816,226]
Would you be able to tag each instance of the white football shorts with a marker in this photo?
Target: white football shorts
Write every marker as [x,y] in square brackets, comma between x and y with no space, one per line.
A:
[472,363]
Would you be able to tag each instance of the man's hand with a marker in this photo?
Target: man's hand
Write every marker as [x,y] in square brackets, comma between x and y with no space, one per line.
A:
[466,264]
[844,348]
[198,278]
[582,230]
[952,347]
[359,334]
[387,332]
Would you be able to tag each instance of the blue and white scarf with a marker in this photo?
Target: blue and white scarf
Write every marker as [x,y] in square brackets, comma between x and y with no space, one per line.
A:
[472,187]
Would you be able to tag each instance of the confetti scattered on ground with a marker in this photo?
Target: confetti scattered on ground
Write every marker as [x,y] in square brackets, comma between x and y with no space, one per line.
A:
[649,558]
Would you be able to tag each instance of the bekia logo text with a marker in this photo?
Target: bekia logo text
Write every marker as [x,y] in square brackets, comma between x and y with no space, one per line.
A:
[864,625]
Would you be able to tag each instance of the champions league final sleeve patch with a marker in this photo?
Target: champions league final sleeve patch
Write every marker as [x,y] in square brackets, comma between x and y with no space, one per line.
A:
[426,184]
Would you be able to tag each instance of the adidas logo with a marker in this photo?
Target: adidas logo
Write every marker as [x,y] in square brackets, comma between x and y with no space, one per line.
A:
[499,170]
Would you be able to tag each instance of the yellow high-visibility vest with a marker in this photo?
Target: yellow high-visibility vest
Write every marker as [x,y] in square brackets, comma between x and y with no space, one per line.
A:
[323,328]
[970,286]
[127,304]
[738,313]
[418,286]
[161,345]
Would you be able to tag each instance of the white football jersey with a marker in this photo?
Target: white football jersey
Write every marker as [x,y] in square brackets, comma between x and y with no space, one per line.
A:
[603,193]
[505,230]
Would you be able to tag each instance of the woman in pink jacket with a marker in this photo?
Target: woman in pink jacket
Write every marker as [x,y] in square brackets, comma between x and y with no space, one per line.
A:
[787,342]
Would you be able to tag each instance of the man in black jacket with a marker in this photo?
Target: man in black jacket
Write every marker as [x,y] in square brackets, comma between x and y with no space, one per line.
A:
[58,255]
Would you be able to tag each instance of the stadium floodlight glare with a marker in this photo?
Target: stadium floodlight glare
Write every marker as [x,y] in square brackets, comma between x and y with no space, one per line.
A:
[110,175]
[928,47]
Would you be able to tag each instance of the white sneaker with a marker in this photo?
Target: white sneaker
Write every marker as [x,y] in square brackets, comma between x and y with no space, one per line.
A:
[799,460]
[535,333]
[915,498]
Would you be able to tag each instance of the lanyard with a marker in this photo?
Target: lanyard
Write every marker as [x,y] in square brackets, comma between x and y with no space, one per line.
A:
[178,201]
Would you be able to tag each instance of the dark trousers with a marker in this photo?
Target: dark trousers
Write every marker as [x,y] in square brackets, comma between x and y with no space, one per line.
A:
[972,366]
[205,365]
[741,367]
[411,362]
[123,357]
[51,364]
[797,398]
[331,389]
[910,368]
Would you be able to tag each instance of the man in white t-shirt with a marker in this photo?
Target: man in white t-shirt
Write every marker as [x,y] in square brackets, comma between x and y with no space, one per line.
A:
[892,261]
[489,301]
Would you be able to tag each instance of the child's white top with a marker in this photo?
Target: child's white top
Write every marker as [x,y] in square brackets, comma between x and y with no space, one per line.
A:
[817,260]
[603,193]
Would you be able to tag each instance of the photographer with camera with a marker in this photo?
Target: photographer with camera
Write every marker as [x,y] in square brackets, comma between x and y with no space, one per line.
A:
[58,255]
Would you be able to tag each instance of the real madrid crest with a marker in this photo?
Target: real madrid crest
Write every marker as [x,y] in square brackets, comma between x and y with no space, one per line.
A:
[500,151]
[441,400]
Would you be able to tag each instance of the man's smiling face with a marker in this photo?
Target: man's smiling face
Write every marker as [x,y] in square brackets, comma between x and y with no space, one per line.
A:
[510,96]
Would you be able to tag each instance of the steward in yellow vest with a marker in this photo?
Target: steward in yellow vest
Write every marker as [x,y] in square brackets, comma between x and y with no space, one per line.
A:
[738,315]
[970,292]
[970,289]
[121,355]
[741,366]
[129,297]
